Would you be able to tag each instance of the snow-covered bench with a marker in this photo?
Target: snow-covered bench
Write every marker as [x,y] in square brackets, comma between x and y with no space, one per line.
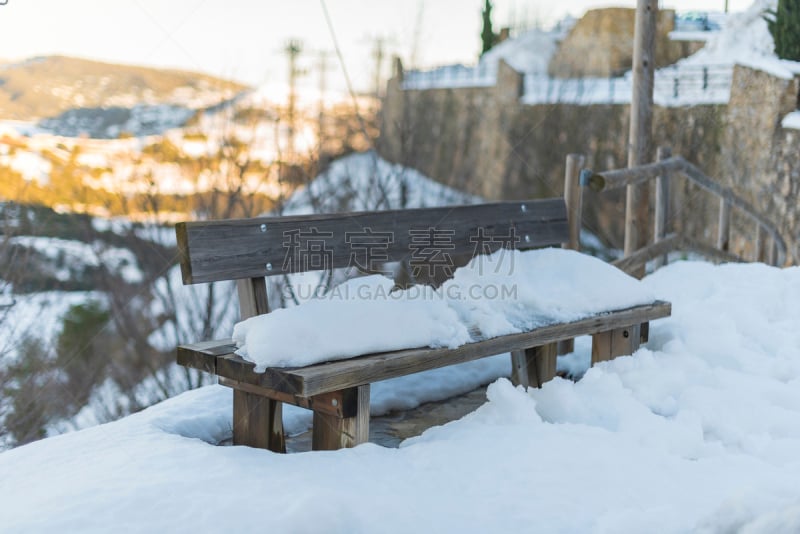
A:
[248,250]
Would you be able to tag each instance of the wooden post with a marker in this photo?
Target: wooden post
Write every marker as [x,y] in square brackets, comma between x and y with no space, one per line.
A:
[619,342]
[573,197]
[641,123]
[257,420]
[331,432]
[760,253]
[724,227]
[534,366]
[662,205]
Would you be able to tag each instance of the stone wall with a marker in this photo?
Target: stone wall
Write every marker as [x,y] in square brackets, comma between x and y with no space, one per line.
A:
[760,159]
[483,140]
[601,44]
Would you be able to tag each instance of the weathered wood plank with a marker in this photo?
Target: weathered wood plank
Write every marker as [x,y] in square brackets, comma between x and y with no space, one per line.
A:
[257,421]
[336,403]
[662,205]
[253,299]
[533,366]
[331,433]
[333,376]
[637,198]
[573,198]
[668,244]
[618,342]
[251,248]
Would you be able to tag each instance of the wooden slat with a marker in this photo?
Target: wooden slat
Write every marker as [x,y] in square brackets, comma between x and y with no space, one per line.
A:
[336,403]
[250,248]
[669,244]
[662,204]
[257,422]
[252,297]
[534,366]
[333,376]
[614,179]
[573,198]
[331,433]
[618,342]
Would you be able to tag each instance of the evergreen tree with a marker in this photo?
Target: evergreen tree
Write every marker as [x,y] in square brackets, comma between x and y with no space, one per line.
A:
[784,25]
[488,37]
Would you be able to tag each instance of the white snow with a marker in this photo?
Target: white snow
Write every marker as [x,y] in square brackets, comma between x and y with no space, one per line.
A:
[696,432]
[74,254]
[366,182]
[702,78]
[30,165]
[529,53]
[792,120]
[745,40]
[504,293]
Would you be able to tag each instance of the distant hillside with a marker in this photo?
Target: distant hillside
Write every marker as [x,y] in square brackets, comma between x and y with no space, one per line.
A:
[46,87]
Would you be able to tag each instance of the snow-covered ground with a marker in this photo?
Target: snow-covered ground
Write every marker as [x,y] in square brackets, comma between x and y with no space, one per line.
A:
[699,431]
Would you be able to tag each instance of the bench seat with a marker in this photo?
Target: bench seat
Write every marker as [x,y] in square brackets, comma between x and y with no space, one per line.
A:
[217,357]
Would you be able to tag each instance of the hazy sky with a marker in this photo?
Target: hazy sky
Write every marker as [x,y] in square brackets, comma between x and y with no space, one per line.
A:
[244,39]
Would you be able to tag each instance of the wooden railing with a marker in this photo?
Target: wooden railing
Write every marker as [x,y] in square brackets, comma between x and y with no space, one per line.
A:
[770,246]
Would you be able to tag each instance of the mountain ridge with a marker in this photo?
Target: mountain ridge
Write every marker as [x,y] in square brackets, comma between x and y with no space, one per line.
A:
[46,86]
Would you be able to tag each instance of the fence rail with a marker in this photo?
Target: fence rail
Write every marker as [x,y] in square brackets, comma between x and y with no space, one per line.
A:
[676,85]
[769,245]
[481,75]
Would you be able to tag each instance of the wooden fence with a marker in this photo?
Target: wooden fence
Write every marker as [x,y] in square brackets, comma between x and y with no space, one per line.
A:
[769,247]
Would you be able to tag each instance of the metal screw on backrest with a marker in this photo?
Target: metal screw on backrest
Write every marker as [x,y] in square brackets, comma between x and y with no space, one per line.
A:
[335,402]
[527,239]
[523,208]
[263,227]
[269,266]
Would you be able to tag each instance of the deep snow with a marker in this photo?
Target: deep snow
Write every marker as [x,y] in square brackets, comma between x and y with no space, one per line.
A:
[699,431]
[504,293]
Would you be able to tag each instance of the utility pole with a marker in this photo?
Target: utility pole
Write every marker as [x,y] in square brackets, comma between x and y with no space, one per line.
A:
[378,53]
[322,65]
[637,199]
[293,49]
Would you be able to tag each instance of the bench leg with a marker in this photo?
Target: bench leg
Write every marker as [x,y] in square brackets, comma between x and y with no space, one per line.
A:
[644,331]
[565,346]
[534,366]
[619,342]
[257,421]
[331,432]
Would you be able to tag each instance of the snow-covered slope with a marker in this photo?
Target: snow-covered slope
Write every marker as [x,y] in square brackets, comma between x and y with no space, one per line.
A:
[530,53]
[366,182]
[697,432]
[745,40]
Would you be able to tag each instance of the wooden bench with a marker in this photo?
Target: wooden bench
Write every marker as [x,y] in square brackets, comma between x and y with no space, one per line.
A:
[247,250]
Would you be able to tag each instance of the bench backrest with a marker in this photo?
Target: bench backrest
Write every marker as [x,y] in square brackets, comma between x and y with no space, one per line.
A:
[237,249]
